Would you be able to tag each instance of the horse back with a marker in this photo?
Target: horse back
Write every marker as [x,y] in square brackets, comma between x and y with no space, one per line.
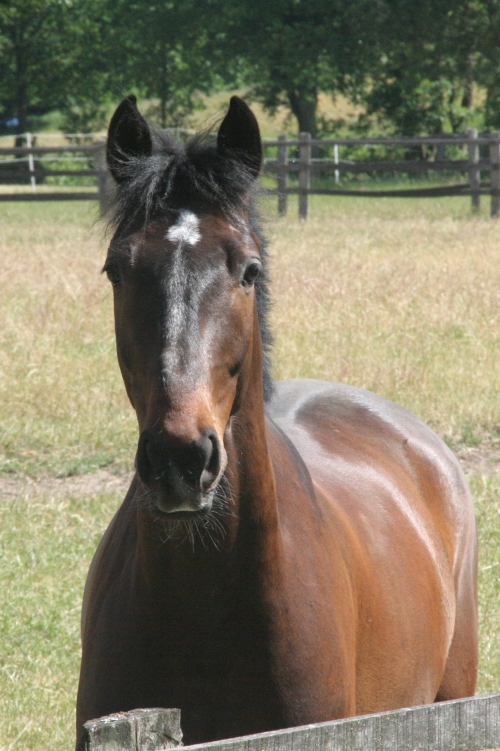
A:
[342,432]
[395,506]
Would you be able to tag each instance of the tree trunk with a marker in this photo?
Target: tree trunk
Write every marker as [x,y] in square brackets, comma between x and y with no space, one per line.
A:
[304,105]
[164,85]
[21,106]
[468,83]
[492,119]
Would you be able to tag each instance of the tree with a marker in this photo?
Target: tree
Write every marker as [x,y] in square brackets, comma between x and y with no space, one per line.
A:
[51,59]
[158,49]
[488,62]
[31,33]
[89,85]
[429,50]
[291,50]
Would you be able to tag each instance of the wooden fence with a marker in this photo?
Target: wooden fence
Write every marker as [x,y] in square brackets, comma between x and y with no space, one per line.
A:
[293,157]
[306,166]
[462,725]
[26,165]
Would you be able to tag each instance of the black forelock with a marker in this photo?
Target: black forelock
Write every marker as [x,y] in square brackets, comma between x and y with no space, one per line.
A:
[193,176]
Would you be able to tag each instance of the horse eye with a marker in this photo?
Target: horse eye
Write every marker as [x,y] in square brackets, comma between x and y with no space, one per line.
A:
[113,274]
[252,271]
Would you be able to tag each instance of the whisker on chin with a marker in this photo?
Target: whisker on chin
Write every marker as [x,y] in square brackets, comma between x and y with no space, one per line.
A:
[209,530]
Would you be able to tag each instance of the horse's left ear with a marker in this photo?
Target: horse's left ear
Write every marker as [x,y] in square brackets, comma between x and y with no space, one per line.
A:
[239,136]
[128,137]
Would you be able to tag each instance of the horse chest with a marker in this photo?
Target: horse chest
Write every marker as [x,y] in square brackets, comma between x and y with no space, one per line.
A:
[209,654]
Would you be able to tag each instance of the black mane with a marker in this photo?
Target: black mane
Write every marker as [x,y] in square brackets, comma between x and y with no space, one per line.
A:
[193,175]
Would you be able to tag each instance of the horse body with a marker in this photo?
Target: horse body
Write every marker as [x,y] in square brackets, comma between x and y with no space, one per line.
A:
[330,567]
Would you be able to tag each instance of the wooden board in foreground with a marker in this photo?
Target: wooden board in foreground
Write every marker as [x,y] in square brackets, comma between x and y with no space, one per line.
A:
[462,725]
[138,730]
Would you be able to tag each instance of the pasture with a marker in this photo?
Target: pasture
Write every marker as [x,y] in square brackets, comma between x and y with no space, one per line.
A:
[400,297]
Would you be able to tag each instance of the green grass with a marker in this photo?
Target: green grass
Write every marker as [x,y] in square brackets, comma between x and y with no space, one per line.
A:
[46,543]
[401,296]
[486,492]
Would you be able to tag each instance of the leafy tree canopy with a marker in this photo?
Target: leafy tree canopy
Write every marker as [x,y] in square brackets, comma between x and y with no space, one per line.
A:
[294,49]
[416,65]
[158,48]
[432,57]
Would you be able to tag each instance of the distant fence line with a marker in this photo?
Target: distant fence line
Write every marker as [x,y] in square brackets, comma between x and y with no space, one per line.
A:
[461,725]
[282,166]
[294,157]
[24,165]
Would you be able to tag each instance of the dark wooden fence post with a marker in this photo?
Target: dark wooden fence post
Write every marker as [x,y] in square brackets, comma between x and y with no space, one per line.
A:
[474,172]
[282,164]
[304,173]
[495,173]
[138,730]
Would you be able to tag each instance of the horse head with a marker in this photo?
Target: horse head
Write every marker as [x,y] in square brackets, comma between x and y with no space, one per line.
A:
[184,264]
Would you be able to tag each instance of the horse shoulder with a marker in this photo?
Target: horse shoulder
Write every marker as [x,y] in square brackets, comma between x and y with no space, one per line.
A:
[106,553]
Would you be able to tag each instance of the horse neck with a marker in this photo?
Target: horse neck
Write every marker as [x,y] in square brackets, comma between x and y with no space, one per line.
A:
[250,472]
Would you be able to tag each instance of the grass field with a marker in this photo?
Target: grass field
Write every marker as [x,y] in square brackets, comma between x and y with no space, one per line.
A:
[402,297]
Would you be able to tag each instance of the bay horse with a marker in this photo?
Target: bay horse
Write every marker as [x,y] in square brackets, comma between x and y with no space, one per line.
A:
[287,553]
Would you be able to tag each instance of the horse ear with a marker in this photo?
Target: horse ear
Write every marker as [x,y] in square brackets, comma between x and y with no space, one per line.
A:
[239,136]
[128,136]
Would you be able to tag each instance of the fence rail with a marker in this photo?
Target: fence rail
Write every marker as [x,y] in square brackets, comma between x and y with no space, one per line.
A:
[27,166]
[462,725]
[306,166]
[294,158]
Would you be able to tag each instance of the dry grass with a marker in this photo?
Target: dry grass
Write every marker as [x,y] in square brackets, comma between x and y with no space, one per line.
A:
[62,404]
[404,305]
[402,297]
[271,125]
[404,300]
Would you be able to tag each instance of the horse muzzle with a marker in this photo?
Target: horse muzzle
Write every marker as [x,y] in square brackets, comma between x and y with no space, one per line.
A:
[182,474]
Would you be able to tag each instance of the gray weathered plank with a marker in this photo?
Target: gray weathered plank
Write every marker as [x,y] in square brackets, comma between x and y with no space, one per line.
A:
[138,730]
[462,725]
[38,150]
[443,190]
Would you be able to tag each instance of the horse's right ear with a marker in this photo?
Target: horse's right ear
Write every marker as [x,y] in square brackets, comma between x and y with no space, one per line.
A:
[128,137]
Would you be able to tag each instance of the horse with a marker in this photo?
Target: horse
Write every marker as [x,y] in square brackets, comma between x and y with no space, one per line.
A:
[287,553]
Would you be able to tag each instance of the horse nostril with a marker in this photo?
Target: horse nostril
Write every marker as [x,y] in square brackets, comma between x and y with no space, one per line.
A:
[162,459]
[212,463]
